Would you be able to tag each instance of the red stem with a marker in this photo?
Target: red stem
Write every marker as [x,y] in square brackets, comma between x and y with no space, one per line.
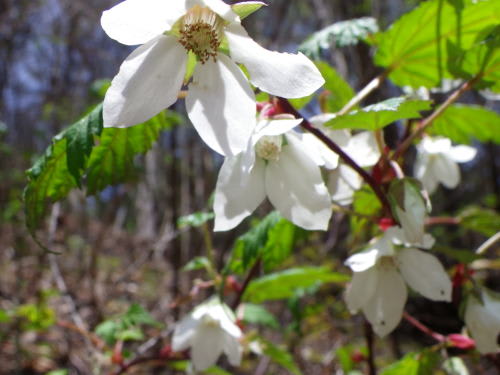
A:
[423,328]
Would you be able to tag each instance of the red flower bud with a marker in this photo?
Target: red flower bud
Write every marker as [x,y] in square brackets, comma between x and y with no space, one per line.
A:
[385,223]
[460,341]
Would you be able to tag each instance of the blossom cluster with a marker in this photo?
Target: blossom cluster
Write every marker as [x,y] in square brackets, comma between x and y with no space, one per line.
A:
[266,156]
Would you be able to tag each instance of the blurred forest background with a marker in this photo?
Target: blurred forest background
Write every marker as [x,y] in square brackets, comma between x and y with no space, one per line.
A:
[124,245]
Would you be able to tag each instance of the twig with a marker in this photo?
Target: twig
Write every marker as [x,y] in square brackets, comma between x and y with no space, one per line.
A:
[370,359]
[488,243]
[436,220]
[425,123]
[372,85]
[423,328]
[251,274]
[285,104]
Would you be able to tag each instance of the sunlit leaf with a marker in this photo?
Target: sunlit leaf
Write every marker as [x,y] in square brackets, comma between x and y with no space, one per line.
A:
[340,34]
[195,219]
[257,314]
[414,48]
[246,8]
[482,220]
[197,263]
[378,115]
[337,91]
[413,364]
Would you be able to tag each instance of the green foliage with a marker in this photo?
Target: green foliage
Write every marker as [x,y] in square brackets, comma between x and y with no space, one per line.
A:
[460,255]
[257,314]
[483,58]
[338,91]
[271,239]
[37,316]
[73,155]
[284,284]
[279,355]
[196,219]
[247,8]
[462,123]
[127,326]
[197,263]
[57,372]
[344,33]
[413,364]
[414,48]
[378,115]
[365,205]
[480,220]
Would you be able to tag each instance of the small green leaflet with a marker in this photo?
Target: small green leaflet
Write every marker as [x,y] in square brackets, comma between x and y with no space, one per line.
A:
[283,284]
[257,314]
[344,33]
[197,263]
[338,91]
[247,8]
[463,123]
[422,363]
[279,355]
[479,219]
[414,48]
[378,115]
[196,219]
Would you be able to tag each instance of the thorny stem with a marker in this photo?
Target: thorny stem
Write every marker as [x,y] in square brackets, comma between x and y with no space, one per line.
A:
[425,123]
[251,274]
[335,148]
[367,90]
[423,328]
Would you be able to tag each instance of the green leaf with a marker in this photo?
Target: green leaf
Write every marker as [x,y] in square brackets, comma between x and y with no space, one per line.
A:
[80,141]
[196,219]
[197,263]
[283,284]
[111,161]
[460,255]
[344,33]
[414,48]
[107,331]
[257,314]
[49,180]
[378,115]
[247,8]
[4,316]
[483,58]
[279,244]
[337,91]
[365,205]
[300,103]
[482,220]
[136,315]
[279,355]
[413,364]
[462,123]
[131,334]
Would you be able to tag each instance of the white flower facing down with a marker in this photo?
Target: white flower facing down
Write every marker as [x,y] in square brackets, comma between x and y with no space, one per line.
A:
[483,321]
[275,164]
[437,162]
[209,330]
[380,272]
[361,147]
[220,102]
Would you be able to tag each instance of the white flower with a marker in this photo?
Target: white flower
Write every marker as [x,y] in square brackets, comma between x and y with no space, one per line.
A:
[361,147]
[437,162]
[483,321]
[209,330]
[276,164]
[380,272]
[220,101]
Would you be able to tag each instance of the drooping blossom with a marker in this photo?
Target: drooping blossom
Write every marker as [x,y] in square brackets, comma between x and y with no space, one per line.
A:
[276,164]
[209,330]
[220,102]
[482,319]
[381,271]
[437,162]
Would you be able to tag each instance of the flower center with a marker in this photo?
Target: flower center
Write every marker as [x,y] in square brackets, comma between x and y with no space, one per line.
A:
[269,147]
[201,32]
[208,321]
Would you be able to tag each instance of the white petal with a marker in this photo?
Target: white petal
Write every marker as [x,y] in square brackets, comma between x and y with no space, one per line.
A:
[280,74]
[183,333]
[363,149]
[138,21]
[233,350]
[319,152]
[218,6]
[483,323]
[237,194]
[275,127]
[208,344]
[446,171]
[343,182]
[221,106]
[385,309]
[364,260]
[435,145]
[295,187]
[319,120]
[462,153]
[148,82]
[361,289]
[424,273]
